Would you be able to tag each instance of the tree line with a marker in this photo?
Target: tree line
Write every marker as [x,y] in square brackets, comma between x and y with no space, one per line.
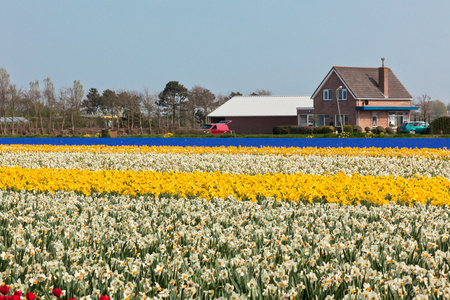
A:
[41,109]
[430,110]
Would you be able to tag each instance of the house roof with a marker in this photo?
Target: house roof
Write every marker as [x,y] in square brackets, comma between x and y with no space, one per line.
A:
[262,106]
[363,83]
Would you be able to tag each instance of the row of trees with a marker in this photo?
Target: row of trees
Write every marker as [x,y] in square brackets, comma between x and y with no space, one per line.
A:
[430,110]
[36,108]
[41,109]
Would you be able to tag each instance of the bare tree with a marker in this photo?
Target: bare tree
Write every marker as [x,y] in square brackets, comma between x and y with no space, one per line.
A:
[15,98]
[50,99]
[200,103]
[130,103]
[111,105]
[150,104]
[34,95]
[4,97]
[76,95]
[220,99]
[423,102]
[261,93]
[135,109]
[62,104]
[437,109]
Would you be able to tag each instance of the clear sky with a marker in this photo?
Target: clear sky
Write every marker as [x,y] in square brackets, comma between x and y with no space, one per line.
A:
[285,46]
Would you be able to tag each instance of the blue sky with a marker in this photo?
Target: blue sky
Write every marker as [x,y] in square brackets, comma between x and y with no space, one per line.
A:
[286,47]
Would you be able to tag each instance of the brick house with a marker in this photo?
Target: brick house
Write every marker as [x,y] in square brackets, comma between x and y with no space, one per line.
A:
[260,114]
[368,97]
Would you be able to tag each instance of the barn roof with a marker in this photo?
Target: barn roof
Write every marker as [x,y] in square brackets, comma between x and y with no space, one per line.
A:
[262,106]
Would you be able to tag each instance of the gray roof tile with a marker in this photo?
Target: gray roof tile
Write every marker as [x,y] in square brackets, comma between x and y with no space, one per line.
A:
[363,83]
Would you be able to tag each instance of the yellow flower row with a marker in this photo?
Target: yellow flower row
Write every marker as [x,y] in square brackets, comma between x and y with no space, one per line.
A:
[338,188]
[443,153]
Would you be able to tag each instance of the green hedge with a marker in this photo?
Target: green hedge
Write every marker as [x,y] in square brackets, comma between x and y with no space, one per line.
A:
[293,129]
[440,124]
[323,129]
[281,130]
[347,128]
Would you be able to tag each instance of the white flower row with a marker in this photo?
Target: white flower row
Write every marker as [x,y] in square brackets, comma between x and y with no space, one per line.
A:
[242,163]
[147,247]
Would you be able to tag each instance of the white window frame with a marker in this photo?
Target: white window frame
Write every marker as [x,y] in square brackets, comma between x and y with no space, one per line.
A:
[309,120]
[393,115]
[327,95]
[337,120]
[342,94]
[318,118]
[374,119]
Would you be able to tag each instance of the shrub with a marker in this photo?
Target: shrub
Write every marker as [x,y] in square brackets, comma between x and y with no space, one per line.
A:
[440,124]
[323,129]
[293,129]
[301,129]
[280,130]
[368,129]
[357,129]
[389,130]
[106,134]
[379,130]
[348,128]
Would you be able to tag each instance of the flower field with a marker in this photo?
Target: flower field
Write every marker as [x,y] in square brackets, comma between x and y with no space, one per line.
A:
[129,222]
[417,142]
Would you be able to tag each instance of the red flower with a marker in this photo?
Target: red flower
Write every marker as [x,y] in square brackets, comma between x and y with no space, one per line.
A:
[57,292]
[4,289]
[31,296]
[72,299]
[15,297]
[18,293]
[104,297]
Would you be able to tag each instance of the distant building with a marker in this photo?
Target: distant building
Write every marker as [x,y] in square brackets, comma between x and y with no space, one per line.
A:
[368,97]
[260,114]
[15,119]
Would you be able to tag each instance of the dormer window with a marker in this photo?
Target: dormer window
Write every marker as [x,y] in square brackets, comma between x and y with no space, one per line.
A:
[327,95]
[342,94]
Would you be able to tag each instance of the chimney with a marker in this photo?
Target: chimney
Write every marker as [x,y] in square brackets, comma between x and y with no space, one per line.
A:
[383,79]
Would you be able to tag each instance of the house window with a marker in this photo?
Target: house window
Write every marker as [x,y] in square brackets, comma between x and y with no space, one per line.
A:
[338,119]
[342,94]
[320,121]
[374,119]
[328,95]
[305,120]
[397,118]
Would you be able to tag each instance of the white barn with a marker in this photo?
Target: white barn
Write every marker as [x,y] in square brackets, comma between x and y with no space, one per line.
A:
[260,114]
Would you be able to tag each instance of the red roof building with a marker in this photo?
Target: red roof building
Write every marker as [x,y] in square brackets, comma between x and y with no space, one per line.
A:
[368,97]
